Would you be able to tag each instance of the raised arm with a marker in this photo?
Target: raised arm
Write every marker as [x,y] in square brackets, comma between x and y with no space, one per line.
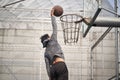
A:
[54,26]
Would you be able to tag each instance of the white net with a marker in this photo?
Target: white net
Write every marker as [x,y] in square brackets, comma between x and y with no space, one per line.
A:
[71,27]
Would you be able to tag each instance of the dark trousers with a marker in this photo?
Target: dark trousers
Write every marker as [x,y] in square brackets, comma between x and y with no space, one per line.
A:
[60,71]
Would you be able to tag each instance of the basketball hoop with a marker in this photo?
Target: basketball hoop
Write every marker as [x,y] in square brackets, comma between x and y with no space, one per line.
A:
[71,27]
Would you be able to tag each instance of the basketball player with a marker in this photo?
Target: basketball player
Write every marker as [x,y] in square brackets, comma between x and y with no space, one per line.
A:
[54,57]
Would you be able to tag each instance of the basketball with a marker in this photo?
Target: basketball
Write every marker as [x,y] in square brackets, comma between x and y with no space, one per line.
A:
[58,10]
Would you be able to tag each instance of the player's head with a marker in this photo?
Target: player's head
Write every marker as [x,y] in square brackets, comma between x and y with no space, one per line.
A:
[45,40]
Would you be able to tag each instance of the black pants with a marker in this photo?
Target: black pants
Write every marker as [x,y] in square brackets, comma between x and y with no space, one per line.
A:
[60,71]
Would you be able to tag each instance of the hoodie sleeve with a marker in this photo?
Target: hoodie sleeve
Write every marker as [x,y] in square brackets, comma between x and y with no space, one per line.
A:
[54,27]
[47,66]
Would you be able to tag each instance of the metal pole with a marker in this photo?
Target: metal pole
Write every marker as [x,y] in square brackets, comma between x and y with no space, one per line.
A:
[116,45]
[101,38]
[111,12]
[92,21]
[116,52]
[12,3]
[91,65]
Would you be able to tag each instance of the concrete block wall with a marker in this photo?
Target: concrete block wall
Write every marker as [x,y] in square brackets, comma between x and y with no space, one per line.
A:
[20,51]
[22,55]
[104,56]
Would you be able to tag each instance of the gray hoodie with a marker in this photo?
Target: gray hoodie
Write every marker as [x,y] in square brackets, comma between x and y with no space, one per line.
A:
[53,48]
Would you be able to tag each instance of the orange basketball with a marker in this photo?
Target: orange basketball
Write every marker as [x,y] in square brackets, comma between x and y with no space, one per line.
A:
[58,10]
